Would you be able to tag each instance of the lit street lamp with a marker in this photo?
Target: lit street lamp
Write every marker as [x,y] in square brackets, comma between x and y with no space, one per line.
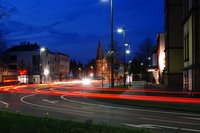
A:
[46,72]
[123,31]
[42,49]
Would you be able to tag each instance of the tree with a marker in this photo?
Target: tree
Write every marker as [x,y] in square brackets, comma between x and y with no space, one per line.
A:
[145,51]
[5,12]
[142,61]
[2,43]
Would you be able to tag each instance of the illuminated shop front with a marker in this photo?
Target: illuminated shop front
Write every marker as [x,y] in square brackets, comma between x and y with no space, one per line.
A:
[23,77]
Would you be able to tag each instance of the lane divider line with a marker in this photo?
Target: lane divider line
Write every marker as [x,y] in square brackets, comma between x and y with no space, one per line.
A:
[55,108]
[126,108]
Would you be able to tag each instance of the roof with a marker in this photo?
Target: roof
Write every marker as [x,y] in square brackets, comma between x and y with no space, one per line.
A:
[24,47]
[62,54]
[99,52]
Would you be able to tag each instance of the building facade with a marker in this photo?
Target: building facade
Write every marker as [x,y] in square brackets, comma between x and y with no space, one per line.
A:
[23,61]
[191,27]
[29,63]
[3,71]
[161,56]
[174,43]
[62,63]
[158,60]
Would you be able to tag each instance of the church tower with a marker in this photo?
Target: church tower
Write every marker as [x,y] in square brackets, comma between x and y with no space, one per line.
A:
[102,65]
[99,61]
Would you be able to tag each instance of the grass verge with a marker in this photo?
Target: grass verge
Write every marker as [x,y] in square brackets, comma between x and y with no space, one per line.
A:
[18,123]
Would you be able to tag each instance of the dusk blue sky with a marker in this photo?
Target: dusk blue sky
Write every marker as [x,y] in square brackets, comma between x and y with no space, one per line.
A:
[74,27]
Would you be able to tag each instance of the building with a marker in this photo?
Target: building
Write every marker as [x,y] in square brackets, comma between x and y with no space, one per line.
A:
[102,67]
[29,63]
[23,61]
[158,60]
[191,37]
[3,71]
[161,56]
[174,43]
[62,66]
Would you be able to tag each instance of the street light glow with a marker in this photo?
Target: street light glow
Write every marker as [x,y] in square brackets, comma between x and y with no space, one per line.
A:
[42,49]
[86,81]
[46,72]
[104,0]
[126,44]
[120,30]
[127,51]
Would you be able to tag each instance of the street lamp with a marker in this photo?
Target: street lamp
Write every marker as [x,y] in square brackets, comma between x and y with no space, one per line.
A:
[42,50]
[111,41]
[123,31]
[46,72]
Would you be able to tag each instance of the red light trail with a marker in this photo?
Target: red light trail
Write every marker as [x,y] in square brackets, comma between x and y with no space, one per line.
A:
[80,91]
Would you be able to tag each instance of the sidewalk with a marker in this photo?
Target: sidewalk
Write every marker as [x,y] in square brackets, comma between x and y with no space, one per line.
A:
[150,89]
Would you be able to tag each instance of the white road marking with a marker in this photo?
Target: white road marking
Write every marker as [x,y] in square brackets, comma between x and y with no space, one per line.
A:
[191,130]
[151,126]
[141,126]
[45,100]
[191,118]
[167,127]
[38,105]
[125,108]
[179,122]
[5,103]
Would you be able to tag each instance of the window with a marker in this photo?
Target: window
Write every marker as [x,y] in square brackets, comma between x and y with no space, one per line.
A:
[35,62]
[13,67]
[186,46]
[13,58]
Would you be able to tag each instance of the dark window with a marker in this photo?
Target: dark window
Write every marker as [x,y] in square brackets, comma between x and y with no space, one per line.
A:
[13,58]
[35,62]
[13,67]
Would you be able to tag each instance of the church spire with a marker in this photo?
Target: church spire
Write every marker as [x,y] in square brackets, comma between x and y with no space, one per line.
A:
[99,52]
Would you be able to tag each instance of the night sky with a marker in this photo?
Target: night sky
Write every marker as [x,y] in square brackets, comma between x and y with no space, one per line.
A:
[74,27]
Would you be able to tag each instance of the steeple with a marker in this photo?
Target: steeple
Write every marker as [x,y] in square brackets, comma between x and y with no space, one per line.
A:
[99,52]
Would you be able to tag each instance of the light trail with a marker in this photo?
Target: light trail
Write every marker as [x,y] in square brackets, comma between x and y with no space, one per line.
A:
[80,91]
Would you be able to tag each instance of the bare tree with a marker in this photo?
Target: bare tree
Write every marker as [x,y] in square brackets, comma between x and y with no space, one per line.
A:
[145,50]
[5,12]
[2,43]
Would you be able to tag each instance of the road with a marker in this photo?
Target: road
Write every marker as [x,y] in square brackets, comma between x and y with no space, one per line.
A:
[58,101]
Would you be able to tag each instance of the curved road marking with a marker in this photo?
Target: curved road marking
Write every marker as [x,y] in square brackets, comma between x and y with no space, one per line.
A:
[49,101]
[125,108]
[38,105]
[5,103]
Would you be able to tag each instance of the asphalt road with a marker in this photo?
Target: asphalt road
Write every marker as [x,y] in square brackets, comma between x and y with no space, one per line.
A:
[82,109]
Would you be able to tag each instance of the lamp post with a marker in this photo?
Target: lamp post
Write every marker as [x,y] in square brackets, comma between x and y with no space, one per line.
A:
[42,50]
[111,41]
[123,31]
